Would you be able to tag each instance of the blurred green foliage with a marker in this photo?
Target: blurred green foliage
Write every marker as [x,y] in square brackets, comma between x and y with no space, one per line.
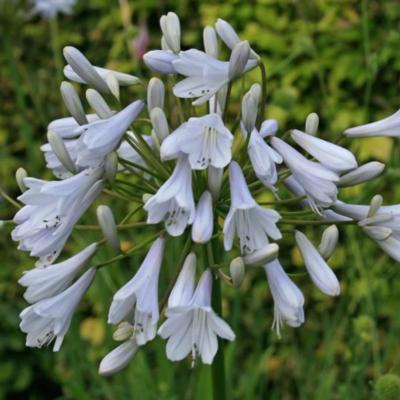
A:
[337,58]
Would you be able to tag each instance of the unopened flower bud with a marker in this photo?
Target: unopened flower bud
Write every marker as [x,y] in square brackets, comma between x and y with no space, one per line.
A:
[171,30]
[203,223]
[236,269]
[146,197]
[119,358]
[160,124]
[229,36]
[250,108]
[329,240]
[262,256]
[215,176]
[113,84]
[20,174]
[269,127]
[107,224]
[82,67]
[210,41]
[362,174]
[99,105]
[123,332]
[375,204]
[111,166]
[160,61]
[164,44]
[320,272]
[238,59]
[73,103]
[227,33]
[312,123]
[61,152]
[155,94]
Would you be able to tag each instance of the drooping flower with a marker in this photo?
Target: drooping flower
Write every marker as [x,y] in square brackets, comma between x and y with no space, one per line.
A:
[50,318]
[100,138]
[51,211]
[330,155]
[318,182]
[204,75]
[192,326]
[205,140]
[173,202]
[326,214]
[246,219]
[48,281]
[263,159]
[319,271]
[288,298]
[137,300]
[389,126]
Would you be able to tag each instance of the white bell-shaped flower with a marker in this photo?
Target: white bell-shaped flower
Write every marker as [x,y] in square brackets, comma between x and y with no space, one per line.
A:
[50,318]
[204,75]
[193,327]
[246,219]
[318,182]
[205,140]
[100,138]
[263,159]
[51,210]
[137,300]
[288,298]
[48,281]
[173,202]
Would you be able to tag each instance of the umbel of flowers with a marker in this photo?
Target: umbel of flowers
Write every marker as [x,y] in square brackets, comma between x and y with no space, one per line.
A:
[198,175]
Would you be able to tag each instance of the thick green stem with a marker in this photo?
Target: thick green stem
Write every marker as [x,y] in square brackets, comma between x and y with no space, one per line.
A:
[218,365]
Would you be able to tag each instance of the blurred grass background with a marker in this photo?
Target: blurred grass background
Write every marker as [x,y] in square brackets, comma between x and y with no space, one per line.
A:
[337,58]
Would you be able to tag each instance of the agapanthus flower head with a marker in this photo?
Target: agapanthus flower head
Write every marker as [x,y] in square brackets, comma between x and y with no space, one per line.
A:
[196,178]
